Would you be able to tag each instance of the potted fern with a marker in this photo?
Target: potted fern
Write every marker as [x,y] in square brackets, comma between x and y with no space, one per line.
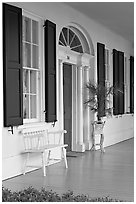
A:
[99,98]
[99,103]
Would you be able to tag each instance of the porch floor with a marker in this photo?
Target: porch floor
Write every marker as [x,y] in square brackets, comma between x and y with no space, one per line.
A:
[92,173]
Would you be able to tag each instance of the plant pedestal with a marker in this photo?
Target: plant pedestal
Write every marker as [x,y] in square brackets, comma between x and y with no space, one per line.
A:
[98,131]
[88,145]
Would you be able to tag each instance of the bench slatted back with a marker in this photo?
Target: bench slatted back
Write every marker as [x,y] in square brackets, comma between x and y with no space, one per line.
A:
[38,138]
[34,139]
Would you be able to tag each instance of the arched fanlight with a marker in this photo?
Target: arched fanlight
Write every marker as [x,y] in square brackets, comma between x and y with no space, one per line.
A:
[69,39]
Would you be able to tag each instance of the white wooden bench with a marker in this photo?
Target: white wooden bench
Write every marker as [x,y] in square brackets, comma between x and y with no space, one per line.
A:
[43,142]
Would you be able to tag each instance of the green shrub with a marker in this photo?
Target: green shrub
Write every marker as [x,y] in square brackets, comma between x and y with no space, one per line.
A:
[33,195]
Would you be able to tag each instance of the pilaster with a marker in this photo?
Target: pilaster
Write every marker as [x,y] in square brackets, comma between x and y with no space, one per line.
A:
[80,143]
[87,124]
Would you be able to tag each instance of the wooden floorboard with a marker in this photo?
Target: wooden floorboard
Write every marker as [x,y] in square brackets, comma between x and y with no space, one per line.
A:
[109,174]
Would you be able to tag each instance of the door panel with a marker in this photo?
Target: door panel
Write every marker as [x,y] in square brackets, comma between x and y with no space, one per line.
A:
[67,94]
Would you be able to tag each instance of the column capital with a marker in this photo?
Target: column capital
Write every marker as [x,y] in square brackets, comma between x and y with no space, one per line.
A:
[86,68]
[80,67]
[86,59]
[61,61]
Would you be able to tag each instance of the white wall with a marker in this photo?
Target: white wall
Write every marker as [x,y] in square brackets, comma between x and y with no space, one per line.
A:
[116,129]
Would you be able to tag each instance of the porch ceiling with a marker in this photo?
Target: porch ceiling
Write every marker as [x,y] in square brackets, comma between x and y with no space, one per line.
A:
[117,16]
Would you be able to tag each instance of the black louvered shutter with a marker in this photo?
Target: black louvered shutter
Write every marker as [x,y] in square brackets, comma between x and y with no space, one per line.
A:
[50,71]
[12,65]
[115,81]
[101,76]
[121,82]
[131,84]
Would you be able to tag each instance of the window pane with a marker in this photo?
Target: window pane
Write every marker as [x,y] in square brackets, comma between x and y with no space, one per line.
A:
[75,42]
[33,106]
[108,77]
[35,60]
[107,57]
[32,81]
[76,45]
[26,55]
[25,81]
[35,32]
[78,49]
[61,40]
[71,36]
[25,106]
[26,29]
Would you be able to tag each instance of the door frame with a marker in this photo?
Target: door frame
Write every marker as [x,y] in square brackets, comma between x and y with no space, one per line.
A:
[69,57]
[65,55]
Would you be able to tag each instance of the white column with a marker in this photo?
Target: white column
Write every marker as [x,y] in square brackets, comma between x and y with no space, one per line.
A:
[80,144]
[61,117]
[87,123]
[74,108]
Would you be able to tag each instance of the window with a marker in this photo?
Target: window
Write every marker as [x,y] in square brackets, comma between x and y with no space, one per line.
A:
[125,84]
[131,84]
[107,77]
[69,39]
[24,83]
[107,65]
[31,69]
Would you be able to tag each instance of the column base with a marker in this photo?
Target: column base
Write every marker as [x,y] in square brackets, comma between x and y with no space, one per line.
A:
[80,147]
[88,145]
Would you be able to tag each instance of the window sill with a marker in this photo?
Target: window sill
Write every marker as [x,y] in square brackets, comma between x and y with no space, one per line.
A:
[31,124]
[123,115]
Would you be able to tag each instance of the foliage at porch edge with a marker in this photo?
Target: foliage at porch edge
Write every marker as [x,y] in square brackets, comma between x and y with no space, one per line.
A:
[33,195]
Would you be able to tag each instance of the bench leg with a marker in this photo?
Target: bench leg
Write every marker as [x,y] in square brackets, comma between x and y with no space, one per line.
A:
[65,158]
[93,148]
[43,163]
[48,158]
[101,143]
[26,160]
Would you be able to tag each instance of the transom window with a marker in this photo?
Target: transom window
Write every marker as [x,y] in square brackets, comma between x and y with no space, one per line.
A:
[69,39]
[31,68]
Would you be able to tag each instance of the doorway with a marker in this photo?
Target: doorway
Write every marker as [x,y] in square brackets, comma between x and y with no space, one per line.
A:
[67,100]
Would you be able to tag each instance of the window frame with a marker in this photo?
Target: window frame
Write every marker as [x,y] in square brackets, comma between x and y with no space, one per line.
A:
[126,83]
[107,66]
[39,71]
[107,75]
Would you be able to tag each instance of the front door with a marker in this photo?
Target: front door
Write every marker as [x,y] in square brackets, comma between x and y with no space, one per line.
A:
[67,94]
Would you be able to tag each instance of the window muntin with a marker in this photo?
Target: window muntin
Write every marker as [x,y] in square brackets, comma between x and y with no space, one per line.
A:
[31,69]
[69,39]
